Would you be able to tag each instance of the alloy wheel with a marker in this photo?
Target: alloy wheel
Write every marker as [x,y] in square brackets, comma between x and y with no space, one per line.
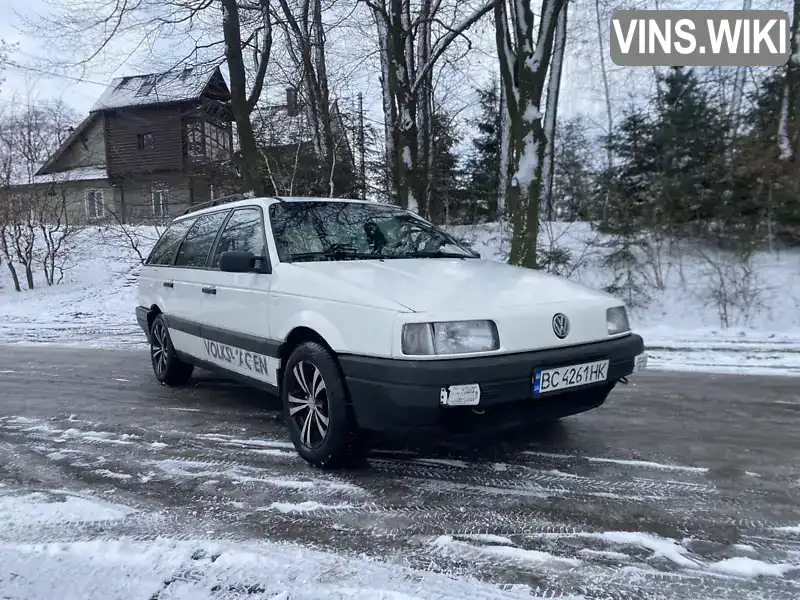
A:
[158,348]
[308,404]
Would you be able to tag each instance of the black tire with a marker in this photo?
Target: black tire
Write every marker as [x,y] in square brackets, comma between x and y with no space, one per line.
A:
[167,367]
[326,437]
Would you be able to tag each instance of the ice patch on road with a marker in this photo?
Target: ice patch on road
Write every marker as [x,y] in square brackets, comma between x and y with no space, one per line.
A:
[290,483]
[112,474]
[39,508]
[449,545]
[231,441]
[748,567]
[487,538]
[444,462]
[306,507]
[647,465]
[660,547]
[609,554]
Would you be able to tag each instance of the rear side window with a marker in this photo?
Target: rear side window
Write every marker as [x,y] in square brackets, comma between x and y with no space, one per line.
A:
[244,232]
[198,242]
[164,250]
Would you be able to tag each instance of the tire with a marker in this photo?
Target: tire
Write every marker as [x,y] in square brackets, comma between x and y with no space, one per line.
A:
[167,367]
[322,431]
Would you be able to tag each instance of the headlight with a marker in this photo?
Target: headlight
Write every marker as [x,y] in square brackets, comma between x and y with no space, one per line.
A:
[617,320]
[455,337]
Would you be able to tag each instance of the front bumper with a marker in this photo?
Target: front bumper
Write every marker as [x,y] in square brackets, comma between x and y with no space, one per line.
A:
[390,395]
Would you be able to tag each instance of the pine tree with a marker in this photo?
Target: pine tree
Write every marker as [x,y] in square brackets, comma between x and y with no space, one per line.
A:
[444,185]
[572,185]
[484,165]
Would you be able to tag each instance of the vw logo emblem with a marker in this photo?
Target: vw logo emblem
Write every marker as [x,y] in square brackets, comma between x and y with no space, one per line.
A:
[560,325]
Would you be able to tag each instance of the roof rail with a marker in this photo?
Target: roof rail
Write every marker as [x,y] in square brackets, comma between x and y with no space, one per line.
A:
[216,202]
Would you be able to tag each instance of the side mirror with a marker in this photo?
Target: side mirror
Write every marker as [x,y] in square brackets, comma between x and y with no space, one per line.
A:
[238,262]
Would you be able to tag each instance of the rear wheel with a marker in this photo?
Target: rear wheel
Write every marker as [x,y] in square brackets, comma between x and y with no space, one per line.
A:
[314,399]
[168,368]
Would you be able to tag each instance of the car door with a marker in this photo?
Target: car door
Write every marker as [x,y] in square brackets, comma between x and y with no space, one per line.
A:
[235,316]
[157,281]
[190,282]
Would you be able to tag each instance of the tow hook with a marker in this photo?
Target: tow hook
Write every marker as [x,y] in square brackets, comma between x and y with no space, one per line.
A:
[624,380]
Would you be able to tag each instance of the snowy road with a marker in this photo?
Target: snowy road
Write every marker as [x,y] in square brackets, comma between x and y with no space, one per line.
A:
[683,486]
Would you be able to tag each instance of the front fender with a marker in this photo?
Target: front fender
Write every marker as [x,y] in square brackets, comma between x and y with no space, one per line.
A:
[347,329]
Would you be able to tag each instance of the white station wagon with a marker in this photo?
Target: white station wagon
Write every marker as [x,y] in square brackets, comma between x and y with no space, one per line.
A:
[364,317]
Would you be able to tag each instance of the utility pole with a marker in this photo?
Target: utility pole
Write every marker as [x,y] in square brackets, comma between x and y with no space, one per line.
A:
[361,150]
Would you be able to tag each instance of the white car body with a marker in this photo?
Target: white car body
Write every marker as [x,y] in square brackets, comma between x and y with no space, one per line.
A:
[359,309]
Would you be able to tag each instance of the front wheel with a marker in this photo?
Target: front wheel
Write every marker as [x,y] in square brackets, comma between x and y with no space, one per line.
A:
[315,404]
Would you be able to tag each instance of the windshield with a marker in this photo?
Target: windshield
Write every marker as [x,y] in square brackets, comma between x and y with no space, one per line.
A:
[310,230]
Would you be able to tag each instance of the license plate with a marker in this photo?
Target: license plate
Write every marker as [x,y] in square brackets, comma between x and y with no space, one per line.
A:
[561,378]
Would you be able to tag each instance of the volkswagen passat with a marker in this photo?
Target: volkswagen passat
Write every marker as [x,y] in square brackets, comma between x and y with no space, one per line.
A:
[364,317]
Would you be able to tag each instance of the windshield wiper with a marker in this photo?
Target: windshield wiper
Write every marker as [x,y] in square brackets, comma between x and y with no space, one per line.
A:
[436,254]
[335,252]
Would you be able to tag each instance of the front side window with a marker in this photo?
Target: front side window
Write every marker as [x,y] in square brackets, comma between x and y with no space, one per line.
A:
[95,206]
[243,232]
[160,198]
[198,242]
[164,250]
[351,230]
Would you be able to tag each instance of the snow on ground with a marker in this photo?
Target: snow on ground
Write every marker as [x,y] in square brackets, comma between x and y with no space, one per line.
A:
[117,568]
[681,323]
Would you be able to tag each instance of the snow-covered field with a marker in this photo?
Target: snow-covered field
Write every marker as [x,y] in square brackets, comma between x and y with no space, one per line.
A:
[681,323]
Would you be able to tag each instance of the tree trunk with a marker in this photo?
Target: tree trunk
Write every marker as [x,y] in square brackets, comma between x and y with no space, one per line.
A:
[523,75]
[551,111]
[791,88]
[14,276]
[252,167]
[607,94]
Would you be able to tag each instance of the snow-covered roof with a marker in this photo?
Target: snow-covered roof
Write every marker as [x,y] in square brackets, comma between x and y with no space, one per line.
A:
[179,85]
[89,173]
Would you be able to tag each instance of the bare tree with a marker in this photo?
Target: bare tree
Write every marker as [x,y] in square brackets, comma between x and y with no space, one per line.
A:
[738,88]
[791,88]
[551,110]
[607,96]
[307,47]
[411,44]
[203,32]
[29,133]
[523,68]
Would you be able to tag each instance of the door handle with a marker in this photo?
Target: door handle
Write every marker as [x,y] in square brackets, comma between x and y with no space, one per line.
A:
[168,284]
[209,290]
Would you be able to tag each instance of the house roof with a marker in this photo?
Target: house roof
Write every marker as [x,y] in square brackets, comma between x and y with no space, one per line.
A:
[67,143]
[178,85]
[95,173]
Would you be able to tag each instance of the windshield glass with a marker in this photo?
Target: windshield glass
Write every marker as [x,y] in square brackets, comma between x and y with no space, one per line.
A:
[310,230]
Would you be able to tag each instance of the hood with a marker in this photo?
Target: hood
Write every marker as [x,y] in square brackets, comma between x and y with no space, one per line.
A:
[425,285]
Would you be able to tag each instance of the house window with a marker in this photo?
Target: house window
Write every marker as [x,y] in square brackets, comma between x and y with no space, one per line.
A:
[217,141]
[145,141]
[160,198]
[95,207]
[194,139]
